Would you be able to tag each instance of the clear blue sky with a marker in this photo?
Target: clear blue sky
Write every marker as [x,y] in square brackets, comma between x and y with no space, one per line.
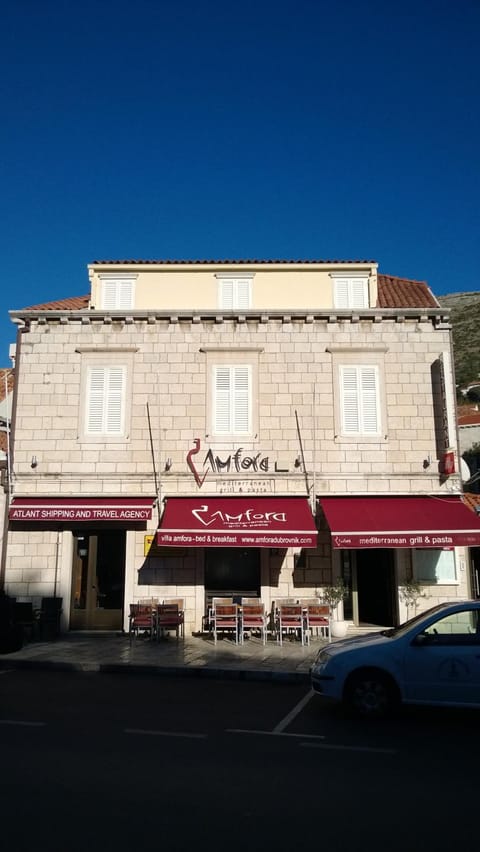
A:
[263,128]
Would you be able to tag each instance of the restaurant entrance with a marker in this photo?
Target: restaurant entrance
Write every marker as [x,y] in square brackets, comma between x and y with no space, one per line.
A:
[375,586]
[232,571]
[98,577]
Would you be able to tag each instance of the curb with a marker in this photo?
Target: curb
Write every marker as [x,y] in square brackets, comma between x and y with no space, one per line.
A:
[207,672]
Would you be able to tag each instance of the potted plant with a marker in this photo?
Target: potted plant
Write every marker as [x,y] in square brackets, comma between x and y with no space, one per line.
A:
[410,593]
[333,595]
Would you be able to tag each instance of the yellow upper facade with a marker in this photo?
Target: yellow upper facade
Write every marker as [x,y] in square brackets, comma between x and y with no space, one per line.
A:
[233,285]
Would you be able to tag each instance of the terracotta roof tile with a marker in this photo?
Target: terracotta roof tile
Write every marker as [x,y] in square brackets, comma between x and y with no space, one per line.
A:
[472,501]
[205,262]
[74,303]
[393,292]
[396,292]
[472,419]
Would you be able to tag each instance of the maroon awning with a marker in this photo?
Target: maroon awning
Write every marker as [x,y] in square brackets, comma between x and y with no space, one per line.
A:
[81,509]
[361,522]
[237,522]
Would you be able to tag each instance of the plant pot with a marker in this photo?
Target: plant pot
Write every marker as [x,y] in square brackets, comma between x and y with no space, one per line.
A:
[339,629]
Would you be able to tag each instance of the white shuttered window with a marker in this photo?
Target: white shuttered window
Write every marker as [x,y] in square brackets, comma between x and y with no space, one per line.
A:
[232,399]
[359,400]
[350,293]
[234,293]
[106,401]
[117,294]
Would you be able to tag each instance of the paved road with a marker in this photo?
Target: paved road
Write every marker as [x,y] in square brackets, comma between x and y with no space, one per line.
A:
[131,761]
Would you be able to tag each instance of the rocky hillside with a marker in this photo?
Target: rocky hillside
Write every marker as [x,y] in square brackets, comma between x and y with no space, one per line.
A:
[465,318]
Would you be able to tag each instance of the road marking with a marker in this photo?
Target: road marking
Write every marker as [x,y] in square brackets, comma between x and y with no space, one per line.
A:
[24,724]
[165,734]
[351,748]
[291,716]
[274,734]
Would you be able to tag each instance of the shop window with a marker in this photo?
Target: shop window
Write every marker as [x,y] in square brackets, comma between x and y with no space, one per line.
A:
[433,566]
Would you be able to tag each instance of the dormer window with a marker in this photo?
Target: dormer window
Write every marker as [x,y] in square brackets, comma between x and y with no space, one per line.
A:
[117,294]
[234,292]
[350,292]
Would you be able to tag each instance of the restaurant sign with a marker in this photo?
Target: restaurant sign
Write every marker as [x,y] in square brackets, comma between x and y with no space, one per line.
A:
[236,461]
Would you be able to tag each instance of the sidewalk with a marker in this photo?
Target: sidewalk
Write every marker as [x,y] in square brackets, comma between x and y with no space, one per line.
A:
[192,656]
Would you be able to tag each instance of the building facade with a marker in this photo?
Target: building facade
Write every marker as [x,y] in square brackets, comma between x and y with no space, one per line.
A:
[250,427]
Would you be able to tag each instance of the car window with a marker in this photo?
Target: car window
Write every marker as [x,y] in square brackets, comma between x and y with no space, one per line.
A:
[457,628]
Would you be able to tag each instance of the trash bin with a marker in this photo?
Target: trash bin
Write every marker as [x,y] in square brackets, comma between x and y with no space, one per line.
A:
[49,619]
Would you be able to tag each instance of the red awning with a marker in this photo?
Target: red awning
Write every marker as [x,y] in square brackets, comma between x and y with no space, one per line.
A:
[83,509]
[358,522]
[237,522]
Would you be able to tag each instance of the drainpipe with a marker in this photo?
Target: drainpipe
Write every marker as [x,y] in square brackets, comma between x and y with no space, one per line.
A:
[11,445]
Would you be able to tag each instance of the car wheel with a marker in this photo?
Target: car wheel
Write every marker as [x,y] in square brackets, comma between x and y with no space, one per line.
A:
[371,694]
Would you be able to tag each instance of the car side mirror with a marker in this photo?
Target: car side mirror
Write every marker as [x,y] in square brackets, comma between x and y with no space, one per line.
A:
[422,639]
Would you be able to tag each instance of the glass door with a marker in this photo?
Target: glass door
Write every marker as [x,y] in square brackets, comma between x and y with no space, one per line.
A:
[98,578]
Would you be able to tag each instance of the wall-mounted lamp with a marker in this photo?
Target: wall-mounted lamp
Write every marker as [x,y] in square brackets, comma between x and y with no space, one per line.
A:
[34,461]
[427,462]
[168,464]
[298,461]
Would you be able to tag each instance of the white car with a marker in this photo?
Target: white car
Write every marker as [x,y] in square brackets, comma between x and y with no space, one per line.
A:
[433,658]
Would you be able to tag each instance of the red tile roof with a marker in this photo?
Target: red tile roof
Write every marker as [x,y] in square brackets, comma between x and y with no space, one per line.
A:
[396,292]
[471,501]
[393,292]
[214,262]
[74,303]
[472,419]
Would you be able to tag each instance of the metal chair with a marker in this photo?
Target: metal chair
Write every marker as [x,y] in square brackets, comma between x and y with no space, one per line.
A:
[169,617]
[317,618]
[253,618]
[290,620]
[141,620]
[225,617]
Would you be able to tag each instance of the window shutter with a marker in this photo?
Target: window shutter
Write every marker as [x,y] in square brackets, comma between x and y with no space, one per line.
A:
[360,406]
[241,401]
[226,294]
[368,385]
[117,294]
[341,293]
[350,293]
[350,408]
[232,400]
[114,401]
[96,386]
[359,293]
[243,293]
[105,403]
[221,417]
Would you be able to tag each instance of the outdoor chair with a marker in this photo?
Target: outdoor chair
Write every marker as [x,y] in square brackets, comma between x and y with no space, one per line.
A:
[225,617]
[290,620]
[141,620]
[253,618]
[318,619]
[169,617]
